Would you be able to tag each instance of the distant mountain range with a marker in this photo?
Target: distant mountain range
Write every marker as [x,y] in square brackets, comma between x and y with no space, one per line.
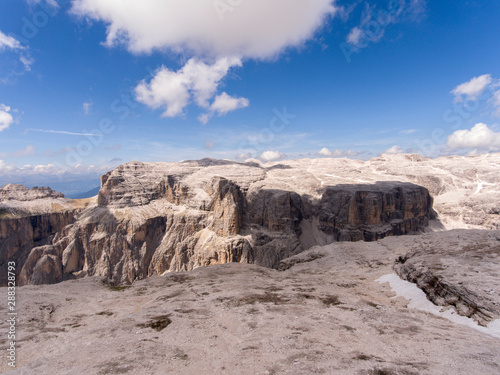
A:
[88,194]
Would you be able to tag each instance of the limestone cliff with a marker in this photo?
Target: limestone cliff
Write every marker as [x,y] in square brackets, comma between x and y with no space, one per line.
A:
[154,218]
[18,236]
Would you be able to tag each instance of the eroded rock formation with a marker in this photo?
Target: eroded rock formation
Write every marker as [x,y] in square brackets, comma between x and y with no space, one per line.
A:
[20,236]
[460,271]
[154,218]
[23,193]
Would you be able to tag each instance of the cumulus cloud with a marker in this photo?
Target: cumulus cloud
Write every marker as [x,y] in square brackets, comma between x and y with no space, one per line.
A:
[205,28]
[218,35]
[325,152]
[5,168]
[354,36]
[393,150]
[9,42]
[223,104]
[196,81]
[473,88]
[54,169]
[6,118]
[336,153]
[479,137]
[271,155]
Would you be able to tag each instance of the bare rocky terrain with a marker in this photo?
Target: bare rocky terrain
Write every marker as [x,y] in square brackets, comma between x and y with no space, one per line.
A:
[295,249]
[324,313]
[166,217]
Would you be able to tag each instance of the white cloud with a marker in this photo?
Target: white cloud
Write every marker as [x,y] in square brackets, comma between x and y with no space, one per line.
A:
[9,42]
[54,169]
[325,152]
[223,104]
[473,88]
[27,61]
[271,155]
[336,153]
[197,81]
[352,153]
[204,28]
[6,118]
[354,36]
[204,117]
[5,168]
[479,137]
[393,150]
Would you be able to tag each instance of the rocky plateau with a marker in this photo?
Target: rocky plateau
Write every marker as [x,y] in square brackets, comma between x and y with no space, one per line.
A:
[295,249]
[323,312]
[149,219]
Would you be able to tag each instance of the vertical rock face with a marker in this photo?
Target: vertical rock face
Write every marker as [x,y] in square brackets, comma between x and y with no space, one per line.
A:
[154,218]
[371,212]
[20,235]
[227,206]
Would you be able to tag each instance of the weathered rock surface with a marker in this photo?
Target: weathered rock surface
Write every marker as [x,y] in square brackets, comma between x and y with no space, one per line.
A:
[29,219]
[461,270]
[21,236]
[324,314]
[23,193]
[151,218]
[156,218]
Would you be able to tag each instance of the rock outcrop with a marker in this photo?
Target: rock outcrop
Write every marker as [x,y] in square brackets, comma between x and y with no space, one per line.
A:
[23,193]
[460,271]
[323,313]
[151,218]
[21,236]
[154,218]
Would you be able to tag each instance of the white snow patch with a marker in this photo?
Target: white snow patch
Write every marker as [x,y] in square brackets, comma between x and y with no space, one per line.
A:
[418,300]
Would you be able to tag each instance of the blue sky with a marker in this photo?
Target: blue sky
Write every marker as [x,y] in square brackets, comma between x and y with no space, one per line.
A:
[86,85]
